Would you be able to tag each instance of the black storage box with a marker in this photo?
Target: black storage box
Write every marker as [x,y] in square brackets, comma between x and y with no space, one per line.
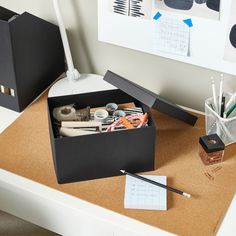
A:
[31,58]
[104,154]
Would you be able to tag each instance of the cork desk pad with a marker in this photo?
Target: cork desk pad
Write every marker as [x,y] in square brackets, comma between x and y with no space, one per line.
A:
[25,150]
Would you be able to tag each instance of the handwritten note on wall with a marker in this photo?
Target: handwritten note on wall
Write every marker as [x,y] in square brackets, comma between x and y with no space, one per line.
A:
[171,35]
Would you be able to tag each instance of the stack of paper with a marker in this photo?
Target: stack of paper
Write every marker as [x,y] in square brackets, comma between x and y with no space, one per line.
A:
[143,195]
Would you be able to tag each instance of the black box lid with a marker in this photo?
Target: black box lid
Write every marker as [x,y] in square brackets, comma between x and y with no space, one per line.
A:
[149,98]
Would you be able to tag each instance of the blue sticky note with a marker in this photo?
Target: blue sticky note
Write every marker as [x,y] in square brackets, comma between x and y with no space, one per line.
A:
[157,16]
[188,22]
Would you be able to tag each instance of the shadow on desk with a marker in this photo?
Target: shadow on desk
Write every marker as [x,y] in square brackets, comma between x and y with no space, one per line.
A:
[12,226]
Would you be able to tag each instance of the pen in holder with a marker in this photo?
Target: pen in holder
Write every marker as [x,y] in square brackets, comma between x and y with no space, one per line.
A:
[224,127]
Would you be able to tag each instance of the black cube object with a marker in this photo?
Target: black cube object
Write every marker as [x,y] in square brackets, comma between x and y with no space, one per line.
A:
[103,155]
[31,57]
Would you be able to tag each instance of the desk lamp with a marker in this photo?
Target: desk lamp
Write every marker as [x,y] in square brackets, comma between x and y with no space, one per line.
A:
[74,82]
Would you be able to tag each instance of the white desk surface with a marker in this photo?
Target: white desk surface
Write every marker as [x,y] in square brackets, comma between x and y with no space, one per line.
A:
[7,117]
[20,195]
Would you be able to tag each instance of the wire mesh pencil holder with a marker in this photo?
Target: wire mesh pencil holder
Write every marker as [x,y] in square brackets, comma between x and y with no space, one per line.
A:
[214,123]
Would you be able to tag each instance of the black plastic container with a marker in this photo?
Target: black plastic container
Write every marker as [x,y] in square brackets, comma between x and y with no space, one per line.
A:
[103,155]
[31,58]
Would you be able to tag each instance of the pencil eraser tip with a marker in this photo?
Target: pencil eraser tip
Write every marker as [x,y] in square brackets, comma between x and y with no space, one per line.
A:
[187,195]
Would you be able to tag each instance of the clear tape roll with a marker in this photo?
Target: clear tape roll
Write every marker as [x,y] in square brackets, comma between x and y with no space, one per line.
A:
[101,115]
[64,113]
[111,108]
[119,113]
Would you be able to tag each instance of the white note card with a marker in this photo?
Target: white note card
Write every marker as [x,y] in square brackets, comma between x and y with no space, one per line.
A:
[171,35]
[143,195]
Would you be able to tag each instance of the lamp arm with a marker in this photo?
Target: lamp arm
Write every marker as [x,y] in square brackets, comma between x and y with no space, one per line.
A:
[72,73]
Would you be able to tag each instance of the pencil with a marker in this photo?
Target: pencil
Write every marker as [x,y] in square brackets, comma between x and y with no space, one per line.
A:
[222,107]
[214,94]
[232,108]
[221,92]
[157,184]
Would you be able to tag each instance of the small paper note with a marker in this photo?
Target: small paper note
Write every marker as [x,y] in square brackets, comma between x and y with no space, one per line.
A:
[142,195]
[171,35]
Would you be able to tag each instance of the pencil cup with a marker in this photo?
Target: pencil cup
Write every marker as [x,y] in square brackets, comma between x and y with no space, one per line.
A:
[214,123]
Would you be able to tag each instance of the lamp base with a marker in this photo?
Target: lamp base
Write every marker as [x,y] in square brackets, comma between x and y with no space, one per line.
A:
[85,84]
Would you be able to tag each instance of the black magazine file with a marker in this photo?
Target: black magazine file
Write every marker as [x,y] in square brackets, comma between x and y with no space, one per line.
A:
[31,57]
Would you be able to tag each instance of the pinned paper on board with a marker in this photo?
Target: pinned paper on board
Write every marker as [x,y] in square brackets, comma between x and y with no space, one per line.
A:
[201,8]
[171,35]
[230,47]
[208,44]
[134,8]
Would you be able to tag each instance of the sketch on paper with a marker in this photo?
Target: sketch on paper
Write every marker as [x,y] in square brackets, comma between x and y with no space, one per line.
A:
[230,47]
[134,8]
[201,8]
[147,8]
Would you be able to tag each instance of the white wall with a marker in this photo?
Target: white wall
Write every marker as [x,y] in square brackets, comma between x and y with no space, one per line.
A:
[182,83]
